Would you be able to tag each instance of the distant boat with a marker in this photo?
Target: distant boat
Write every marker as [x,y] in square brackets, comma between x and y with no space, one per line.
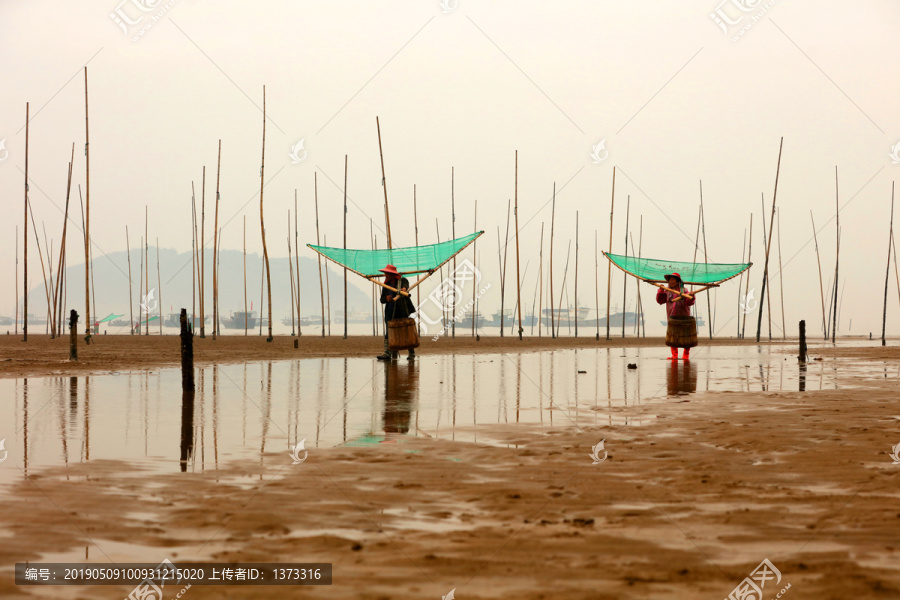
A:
[240,319]
[174,320]
[6,320]
[700,322]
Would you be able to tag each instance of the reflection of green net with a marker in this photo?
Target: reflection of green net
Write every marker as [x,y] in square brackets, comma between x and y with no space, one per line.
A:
[111,317]
[652,269]
[407,260]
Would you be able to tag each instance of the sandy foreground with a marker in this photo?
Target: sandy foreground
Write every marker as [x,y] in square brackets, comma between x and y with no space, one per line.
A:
[685,507]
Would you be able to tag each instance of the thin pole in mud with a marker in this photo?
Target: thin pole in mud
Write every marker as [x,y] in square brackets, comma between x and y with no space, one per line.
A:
[453,231]
[195,264]
[887,273]
[741,282]
[643,326]
[291,273]
[372,245]
[387,214]
[147,269]
[141,291]
[297,263]
[57,294]
[596,286]
[262,225]
[747,289]
[215,324]
[563,288]
[625,279]
[345,245]
[328,289]
[418,291]
[158,285]
[321,289]
[540,294]
[73,335]
[25,243]
[802,356]
[203,255]
[612,206]
[518,277]
[819,263]
[87,215]
[246,315]
[768,245]
[474,287]
[837,253]
[768,299]
[709,310]
[552,229]
[503,267]
[262,283]
[130,297]
[896,275]
[576,273]
[781,281]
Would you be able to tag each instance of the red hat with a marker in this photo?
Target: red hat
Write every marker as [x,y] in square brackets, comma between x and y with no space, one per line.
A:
[674,275]
[390,269]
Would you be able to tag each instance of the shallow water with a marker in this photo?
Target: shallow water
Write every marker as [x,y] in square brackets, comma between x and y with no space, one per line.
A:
[247,410]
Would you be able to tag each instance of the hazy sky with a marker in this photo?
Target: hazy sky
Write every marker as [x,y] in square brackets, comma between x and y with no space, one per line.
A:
[466,85]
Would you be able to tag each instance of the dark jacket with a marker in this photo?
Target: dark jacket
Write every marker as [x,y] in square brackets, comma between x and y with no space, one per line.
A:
[399,308]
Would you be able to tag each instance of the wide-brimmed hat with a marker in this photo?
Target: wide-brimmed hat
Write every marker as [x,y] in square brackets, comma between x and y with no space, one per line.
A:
[389,270]
[676,275]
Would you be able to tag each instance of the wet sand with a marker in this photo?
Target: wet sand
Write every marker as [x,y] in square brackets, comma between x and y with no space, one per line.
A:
[685,507]
[42,356]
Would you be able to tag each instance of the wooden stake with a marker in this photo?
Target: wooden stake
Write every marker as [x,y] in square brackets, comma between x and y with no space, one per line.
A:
[837,216]
[262,224]
[87,216]
[387,213]
[25,231]
[321,290]
[297,264]
[215,324]
[747,289]
[781,281]
[612,206]
[518,278]
[625,279]
[345,245]
[147,269]
[203,255]
[552,228]
[768,246]
[887,273]
[505,248]
[246,314]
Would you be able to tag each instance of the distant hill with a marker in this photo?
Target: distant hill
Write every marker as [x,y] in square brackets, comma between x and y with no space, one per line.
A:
[111,285]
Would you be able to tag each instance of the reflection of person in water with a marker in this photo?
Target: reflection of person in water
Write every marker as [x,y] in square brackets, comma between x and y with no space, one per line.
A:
[681,378]
[401,390]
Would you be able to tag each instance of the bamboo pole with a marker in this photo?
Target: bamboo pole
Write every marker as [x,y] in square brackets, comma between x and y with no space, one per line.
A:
[87,215]
[563,288]
[246,314]
[781,281]
[453,232]
[291,272]
[345,245]
[158,289]
[262,224]
[576,273]
[768,246]
[596,285]
[819,263]
[374,287]
[130,297]
[518,278]
[747,289]
[328,290]
[16,290]
[768,299]
[740,285]
[418,292]
[215,324]
[321,290]
[887,273]
[137,326]
[203,255]
[437,230]
[57,295]
[625,279]
[709,311]
[262,287]
[25,230]
[51,316]
[541,282]
[93,289]
[297,263]
[552,228]
[387,213]
[896,274]
[639,318]
[474,287]
[37,240]
[147,266]
[837,216]
[505,248]
[612,206]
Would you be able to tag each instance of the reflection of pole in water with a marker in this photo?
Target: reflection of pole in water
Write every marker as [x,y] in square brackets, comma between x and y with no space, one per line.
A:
[25,422]
[501,401]
[608,378]
[453,393]
[87,418]
[802,376]
[267,414]
[345,361]
[215,414]
[519,385]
